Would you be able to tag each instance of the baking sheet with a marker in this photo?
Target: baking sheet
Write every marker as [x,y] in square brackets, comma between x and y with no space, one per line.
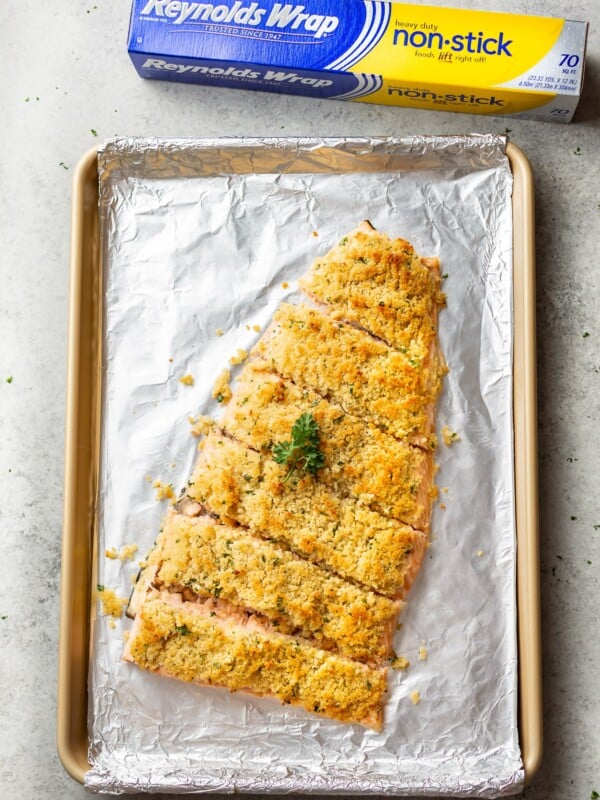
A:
[201,235]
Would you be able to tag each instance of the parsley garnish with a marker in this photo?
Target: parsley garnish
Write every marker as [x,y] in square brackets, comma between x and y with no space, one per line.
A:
[302,452]
[182,629]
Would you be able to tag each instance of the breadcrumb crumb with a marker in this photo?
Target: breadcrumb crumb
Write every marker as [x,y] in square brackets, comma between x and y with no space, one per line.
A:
[256,328]
[187,380]
[399,662]
[480,553]
[164,491]
[449,436]
[112,606]
[201,425]
[111,552]
[415,697]
[221,390]
[240,356]
[285,285]
[127,552]
[219,332]
[422,653]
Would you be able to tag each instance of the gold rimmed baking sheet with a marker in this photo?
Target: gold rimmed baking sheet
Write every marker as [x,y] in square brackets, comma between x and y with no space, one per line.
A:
[82,452]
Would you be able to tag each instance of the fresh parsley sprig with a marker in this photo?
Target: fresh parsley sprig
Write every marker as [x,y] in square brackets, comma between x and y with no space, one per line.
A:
[302,451]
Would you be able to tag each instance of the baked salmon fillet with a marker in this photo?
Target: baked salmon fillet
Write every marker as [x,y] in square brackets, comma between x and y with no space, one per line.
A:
[211,644]
[283,567]
[340,533]
[390,476]
[380,284]
[392,390]
[201,557]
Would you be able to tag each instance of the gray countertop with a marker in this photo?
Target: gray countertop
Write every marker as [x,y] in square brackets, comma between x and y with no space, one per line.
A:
[68,84]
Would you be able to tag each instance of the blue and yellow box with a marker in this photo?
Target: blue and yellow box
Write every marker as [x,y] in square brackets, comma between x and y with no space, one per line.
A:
[397,54]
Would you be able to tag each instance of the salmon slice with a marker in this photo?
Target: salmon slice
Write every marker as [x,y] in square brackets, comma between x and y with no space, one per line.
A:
[380,284]
[210,644]
[340,533]
[392,390]
[388,475]
[200,556]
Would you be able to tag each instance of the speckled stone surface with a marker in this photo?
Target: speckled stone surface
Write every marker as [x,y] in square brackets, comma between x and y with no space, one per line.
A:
[69,77]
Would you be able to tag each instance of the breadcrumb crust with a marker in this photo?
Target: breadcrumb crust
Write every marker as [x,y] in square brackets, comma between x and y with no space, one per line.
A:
[201,556]
[191,641]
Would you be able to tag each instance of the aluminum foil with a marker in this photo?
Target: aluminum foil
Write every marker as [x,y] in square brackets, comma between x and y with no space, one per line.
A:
[200,237]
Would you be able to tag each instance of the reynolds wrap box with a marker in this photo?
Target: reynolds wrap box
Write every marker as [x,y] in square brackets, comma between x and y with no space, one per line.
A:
[375,52]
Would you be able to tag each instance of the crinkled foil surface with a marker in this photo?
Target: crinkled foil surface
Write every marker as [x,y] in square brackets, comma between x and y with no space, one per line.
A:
[202,235]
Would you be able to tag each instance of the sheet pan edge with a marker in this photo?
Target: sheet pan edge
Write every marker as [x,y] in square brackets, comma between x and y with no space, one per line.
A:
[80,465]
[72,737]
[526,479]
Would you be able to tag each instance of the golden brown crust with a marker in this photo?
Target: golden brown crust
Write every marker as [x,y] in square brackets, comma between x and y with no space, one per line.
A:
[197,642]
[380,284]
[390,476]
[340,533]
[392,390]
[200,556]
